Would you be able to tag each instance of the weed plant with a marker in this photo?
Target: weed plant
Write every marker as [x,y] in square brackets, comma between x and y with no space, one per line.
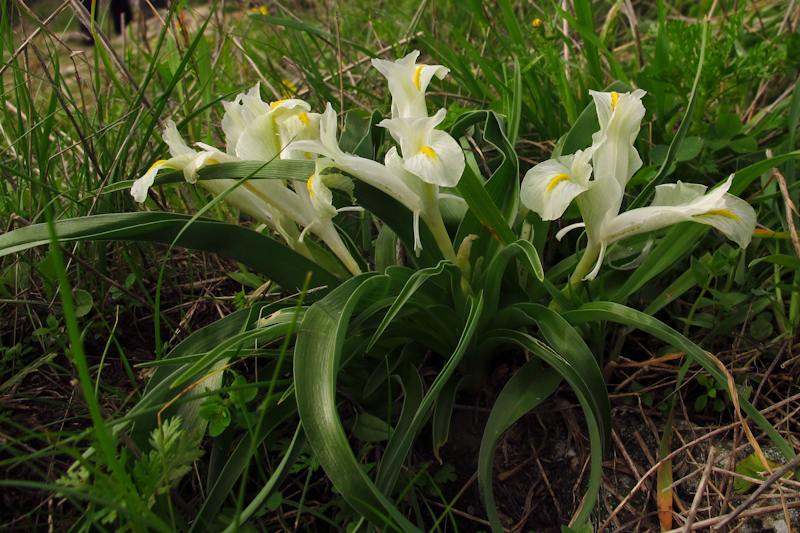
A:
[263,350]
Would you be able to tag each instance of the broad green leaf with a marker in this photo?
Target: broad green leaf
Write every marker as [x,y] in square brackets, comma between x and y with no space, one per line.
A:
[241,244]
[316,364]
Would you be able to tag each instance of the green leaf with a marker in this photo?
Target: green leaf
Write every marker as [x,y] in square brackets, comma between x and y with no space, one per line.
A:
[728,125]
[316,364]
[760,329]
[241,244]
[274,501]
[625,315]
[744,145]
[83,302]
[216,413]
[689,149]
[751,466]
[369,428]
[524,391]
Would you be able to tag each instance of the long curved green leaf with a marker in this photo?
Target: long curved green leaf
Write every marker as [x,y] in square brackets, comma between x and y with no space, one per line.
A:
[398,448]
[563,338]
[316,364]
[267,256]
[415,282]
[524,391]
[493,204]
[582,386]
[493,278]
[624,315]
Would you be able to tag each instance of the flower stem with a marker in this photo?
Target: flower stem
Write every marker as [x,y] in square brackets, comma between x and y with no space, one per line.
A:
[432,216]
[583,267]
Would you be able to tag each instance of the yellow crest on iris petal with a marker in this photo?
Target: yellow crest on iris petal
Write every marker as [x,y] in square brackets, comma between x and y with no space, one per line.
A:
[558,179]
[719,212]
[428,151]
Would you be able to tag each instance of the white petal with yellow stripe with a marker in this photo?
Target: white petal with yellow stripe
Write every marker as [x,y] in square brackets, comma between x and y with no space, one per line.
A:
[408,83]
[549,187]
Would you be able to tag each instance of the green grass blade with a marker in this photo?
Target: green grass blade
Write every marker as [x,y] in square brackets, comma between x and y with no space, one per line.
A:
[648,189]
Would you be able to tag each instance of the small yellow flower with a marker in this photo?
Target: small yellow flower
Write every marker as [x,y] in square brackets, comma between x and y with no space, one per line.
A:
[288,89]
[537,23]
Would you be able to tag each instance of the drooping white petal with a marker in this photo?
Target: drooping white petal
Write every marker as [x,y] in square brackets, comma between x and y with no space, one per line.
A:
[408,83]
[731,215]
[549,187]
[141,185]
[430,154]
[620,116]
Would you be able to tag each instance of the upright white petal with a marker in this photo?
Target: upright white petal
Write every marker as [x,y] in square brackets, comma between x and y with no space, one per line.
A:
[549,187]
[408,83]
[620,116]
[298,127]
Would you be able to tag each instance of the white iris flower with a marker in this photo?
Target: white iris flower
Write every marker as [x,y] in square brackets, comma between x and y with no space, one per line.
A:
[549,187]
[257,131]
[430,158]
[408,83]
[393,178]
